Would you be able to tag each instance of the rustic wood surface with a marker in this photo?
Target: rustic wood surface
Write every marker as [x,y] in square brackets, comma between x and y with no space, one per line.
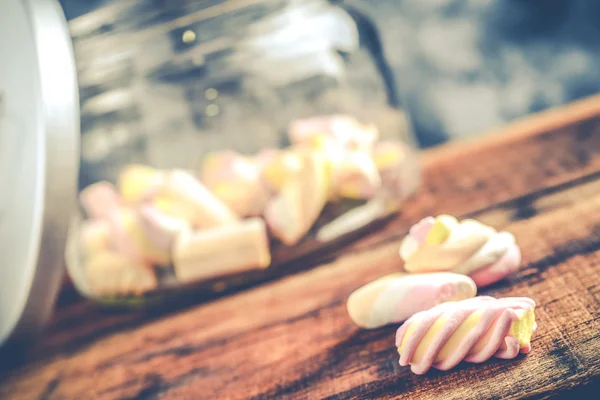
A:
[292,338]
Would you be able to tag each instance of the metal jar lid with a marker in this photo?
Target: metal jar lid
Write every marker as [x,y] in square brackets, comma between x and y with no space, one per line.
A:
[39,160]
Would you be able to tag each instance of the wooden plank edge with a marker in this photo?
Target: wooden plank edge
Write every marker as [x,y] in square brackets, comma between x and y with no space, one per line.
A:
[532,125]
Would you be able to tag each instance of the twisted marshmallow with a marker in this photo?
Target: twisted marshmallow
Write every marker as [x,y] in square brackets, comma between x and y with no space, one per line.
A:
[396,297]
[468,247]
[472,330]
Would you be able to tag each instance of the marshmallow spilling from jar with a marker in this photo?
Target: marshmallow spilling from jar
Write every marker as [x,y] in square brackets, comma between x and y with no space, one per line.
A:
[236,181]
[141,233]
[221,251]
[467,247]
[351,164]
[162,220]
[107,271]
[294,210]
[153,224]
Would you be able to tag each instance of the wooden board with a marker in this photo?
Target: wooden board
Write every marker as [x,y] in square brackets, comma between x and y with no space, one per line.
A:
[292,338]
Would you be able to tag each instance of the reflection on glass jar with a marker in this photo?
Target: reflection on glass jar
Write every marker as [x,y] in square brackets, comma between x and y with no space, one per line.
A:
[221,142]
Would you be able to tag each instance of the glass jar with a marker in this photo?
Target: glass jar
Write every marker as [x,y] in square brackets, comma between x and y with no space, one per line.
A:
[221,142]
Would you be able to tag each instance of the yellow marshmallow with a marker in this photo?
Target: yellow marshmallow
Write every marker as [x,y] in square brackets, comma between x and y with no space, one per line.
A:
[389,155]
[440,231]
[174,208]
[109,274]
[281,169]
[135,179]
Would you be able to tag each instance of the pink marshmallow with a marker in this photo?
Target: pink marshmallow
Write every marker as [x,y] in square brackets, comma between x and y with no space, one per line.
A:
[431,294]
[160,229]
[509,263]
[100,200]
[420,230]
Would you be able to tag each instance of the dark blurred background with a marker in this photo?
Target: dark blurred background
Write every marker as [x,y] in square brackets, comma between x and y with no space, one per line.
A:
[464,66]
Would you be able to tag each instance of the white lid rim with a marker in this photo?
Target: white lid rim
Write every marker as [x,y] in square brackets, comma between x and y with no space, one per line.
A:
[58,81]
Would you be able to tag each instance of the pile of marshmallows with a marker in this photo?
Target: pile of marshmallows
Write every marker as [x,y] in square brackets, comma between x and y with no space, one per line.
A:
[446,260]
[220,221]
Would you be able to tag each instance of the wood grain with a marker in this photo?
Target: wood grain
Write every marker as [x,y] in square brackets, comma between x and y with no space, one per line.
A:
[292,338]
[308,339]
